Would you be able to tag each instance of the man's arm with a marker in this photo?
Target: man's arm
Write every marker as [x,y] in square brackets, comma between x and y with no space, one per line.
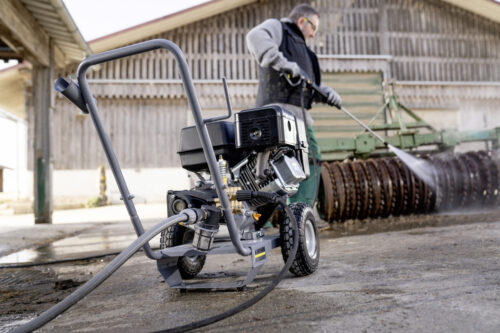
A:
[264,41]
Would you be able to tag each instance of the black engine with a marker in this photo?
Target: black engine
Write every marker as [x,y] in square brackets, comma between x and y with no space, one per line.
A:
[265,149]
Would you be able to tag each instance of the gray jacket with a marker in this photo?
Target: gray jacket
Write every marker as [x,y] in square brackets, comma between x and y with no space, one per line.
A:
[263,42]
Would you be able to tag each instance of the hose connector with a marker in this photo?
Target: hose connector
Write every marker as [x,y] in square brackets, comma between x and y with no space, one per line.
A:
[194,215]
[204,231]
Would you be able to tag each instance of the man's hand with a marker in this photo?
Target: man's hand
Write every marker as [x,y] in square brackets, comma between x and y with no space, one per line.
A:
[291,68]
[333,98]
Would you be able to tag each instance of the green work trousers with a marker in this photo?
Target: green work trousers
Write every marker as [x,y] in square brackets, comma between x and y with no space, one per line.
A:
[307,188]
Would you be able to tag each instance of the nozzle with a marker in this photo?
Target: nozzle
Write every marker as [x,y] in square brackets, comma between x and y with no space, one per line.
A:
[71,91]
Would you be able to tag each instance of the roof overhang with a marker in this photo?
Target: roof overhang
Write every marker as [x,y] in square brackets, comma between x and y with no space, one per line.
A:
[29,28]
[486,8]
[165,23]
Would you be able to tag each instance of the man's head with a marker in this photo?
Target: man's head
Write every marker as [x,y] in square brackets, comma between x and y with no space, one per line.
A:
[307,19]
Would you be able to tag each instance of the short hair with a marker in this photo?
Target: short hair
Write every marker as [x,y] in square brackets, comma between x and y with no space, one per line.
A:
[302,10]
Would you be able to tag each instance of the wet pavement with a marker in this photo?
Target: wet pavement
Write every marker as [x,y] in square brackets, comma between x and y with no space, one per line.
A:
[419,273]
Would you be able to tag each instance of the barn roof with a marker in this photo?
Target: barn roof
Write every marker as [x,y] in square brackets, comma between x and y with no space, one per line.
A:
[28,27]
[165,23]
[486,8]
[55,19]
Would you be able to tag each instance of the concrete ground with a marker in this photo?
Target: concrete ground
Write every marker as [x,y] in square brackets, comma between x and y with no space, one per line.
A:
[430,273]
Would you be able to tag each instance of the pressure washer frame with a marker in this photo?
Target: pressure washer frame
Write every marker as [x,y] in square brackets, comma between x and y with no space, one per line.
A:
[80,94]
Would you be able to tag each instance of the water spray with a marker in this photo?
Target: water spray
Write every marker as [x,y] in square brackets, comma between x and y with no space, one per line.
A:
[420,167]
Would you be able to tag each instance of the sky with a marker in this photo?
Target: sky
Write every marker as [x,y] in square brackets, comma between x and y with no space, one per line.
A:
[97,18]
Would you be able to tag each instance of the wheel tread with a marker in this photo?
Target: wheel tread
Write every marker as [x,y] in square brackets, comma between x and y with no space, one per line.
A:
[302,264]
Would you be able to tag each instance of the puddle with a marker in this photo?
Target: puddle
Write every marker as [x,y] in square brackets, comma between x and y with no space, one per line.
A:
[84,245]
[23,256]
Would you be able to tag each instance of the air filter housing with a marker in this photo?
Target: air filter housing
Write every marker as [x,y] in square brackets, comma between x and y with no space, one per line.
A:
[263,127]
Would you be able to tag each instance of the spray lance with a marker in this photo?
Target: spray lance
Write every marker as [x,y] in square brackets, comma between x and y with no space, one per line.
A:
[421,168]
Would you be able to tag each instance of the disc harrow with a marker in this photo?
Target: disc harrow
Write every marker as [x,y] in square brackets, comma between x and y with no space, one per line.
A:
[381,187]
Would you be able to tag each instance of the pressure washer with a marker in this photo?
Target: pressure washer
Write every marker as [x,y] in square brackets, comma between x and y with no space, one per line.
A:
[245,170]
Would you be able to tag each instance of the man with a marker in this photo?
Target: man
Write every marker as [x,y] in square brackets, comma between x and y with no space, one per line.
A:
[280,46]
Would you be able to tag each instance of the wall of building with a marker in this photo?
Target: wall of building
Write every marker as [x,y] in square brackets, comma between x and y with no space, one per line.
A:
[13,156]
[427,46]
[429,40]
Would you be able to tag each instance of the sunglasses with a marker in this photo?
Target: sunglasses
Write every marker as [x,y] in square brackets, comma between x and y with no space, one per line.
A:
[314,26]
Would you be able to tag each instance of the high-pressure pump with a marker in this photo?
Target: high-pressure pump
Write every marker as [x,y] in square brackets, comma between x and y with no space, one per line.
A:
[242,166]
[246,169]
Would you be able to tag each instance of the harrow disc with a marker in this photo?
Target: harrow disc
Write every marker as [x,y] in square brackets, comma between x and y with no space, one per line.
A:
[326,197]
[452,179]
[339,206]
[473,175]
[364,190]
[376,190]
[398,185]
[385,180]
[493,169]
[350,190]
[485,182]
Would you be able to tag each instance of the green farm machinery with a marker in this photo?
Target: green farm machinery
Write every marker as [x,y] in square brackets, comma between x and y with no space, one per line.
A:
[360,178]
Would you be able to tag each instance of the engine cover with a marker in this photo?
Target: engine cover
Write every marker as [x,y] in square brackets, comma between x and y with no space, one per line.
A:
[221,135]
[264,127]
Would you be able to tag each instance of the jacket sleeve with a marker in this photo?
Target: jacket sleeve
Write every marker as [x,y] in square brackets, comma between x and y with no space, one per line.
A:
[264,41]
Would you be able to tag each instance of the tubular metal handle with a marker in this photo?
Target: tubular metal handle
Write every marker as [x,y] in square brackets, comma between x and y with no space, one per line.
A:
[200,126]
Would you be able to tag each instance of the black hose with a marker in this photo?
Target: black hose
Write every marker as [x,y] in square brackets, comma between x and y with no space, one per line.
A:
[93,283]
[257,297]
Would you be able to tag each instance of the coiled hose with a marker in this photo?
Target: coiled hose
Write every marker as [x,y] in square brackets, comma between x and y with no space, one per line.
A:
[93,283]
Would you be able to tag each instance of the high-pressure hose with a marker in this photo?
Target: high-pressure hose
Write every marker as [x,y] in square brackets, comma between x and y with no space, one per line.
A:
[188,216]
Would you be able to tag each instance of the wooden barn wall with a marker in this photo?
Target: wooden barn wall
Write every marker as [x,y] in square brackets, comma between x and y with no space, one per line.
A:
[144,133]
[428,40]
[435,41]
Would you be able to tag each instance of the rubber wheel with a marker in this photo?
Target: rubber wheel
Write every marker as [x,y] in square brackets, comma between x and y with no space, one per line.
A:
[307,257]
[176,235]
